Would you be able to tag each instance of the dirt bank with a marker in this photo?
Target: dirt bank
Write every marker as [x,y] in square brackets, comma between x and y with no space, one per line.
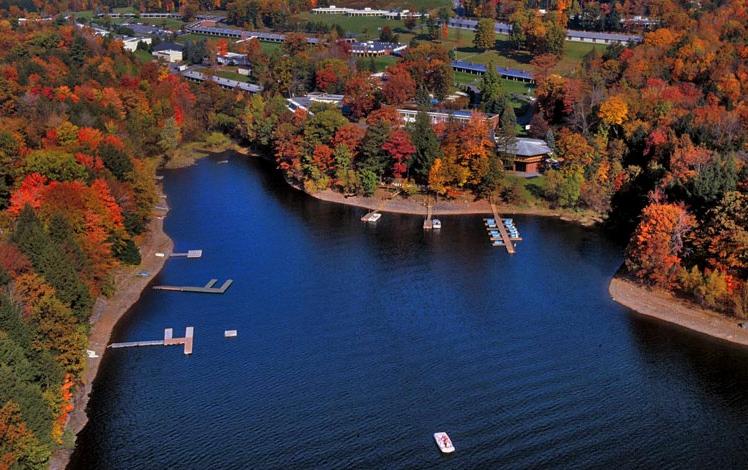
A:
[666,307]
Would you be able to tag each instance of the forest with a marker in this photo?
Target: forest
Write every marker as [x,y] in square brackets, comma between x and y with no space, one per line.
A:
[651,137]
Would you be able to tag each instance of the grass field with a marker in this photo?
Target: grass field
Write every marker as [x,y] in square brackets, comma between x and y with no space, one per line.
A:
[143,56]
[225,72]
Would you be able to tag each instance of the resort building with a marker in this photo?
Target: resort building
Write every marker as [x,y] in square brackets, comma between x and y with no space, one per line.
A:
[131,44]
[440,117]
[528,154]
[168,51]
[306,101]
[376,48]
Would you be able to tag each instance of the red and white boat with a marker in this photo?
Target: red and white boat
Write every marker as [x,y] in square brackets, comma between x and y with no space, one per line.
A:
[444,442]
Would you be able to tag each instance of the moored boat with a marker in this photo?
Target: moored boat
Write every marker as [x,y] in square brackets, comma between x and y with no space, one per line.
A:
[444,442]
[436,223]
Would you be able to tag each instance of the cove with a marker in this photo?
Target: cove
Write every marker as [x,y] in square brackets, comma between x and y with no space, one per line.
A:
[356,342]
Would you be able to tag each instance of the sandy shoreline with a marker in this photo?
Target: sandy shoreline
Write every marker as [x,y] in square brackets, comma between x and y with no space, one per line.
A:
[416,205]
[106,314]
[666,307]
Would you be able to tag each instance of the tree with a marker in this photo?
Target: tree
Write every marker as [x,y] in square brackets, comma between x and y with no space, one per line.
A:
[50,261]
[485,36]
[721,240]
[493,98]
[654,252]
[360,95]
[399,87]
[386,35]
[320,128]
[372,157]
[613,111]
[400,148]
[427,147]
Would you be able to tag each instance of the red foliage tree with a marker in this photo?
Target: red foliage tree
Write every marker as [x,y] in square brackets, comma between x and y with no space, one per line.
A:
[400,147]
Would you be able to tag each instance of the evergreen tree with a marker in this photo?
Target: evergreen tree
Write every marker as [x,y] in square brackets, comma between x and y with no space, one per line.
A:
[493,98]
[372,157]
[50,260]
[427,147]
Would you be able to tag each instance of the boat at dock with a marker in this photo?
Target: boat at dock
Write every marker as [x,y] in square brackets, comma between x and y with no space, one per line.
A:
[371,217]
[436,223]
[444,442]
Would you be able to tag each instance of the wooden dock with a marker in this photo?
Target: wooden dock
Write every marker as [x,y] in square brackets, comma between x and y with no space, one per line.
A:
[368,215]
[499,225]
[168,340]
[207,289]
[428,223]
[189,254]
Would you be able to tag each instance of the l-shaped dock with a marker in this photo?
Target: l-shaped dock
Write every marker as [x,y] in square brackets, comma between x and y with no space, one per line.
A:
[207,289]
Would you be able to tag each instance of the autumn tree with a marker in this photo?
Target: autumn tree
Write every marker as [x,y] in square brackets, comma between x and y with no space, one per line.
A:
[655,249]
[400,149]
[399,87]
[360,95]
[485,37]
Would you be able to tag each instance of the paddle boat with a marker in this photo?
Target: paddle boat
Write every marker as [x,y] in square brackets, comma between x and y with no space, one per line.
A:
[444,442]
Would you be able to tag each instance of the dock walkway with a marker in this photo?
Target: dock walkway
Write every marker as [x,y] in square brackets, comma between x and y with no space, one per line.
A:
[207,289]
[168,340]
[504,239]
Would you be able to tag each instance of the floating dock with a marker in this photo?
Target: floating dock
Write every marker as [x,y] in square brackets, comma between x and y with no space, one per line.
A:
[189,254]
[207,289]
[168,340]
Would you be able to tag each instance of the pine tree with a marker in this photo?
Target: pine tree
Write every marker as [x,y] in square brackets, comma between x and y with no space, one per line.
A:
[427,147]
[50,260]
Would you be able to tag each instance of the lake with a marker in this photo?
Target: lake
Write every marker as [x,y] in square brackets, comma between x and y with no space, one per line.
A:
[356,342]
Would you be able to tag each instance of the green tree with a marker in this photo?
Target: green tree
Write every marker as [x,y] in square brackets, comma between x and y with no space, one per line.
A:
[50,260]
[493,98]
[54,164]
[371,155]
[485,36]
[427,147]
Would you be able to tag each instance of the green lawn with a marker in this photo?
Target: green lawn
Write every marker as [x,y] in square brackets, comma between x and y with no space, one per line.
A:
[420,5]
[143,56]
[225,72]
[363,27]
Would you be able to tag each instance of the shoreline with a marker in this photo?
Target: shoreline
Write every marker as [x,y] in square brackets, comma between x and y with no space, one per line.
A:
[107,312]
[666,307]
[416,205]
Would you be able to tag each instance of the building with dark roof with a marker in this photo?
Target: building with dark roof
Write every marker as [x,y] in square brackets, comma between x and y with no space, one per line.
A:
[528,154]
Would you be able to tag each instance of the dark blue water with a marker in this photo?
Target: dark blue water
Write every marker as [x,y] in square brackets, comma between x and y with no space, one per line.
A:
[357,342]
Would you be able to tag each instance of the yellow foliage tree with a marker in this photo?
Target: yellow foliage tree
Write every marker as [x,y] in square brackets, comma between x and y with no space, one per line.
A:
[613,111]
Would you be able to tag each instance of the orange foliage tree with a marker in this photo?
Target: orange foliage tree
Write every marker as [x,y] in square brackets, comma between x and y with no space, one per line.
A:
[653,254]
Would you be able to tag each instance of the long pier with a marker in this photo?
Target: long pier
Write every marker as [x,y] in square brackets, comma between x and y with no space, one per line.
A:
[168,340]
[497,225]
[207,289]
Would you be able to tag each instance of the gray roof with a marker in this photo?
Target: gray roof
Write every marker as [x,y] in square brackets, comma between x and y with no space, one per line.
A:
[168,46]
[525,147]
[481,68]
[504,28]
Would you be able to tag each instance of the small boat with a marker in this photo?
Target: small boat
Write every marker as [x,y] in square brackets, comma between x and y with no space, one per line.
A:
[444,442]
[374,217]
[436,223]
[223,161]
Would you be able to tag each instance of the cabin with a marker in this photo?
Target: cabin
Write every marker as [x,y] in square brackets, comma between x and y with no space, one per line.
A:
[527,154]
